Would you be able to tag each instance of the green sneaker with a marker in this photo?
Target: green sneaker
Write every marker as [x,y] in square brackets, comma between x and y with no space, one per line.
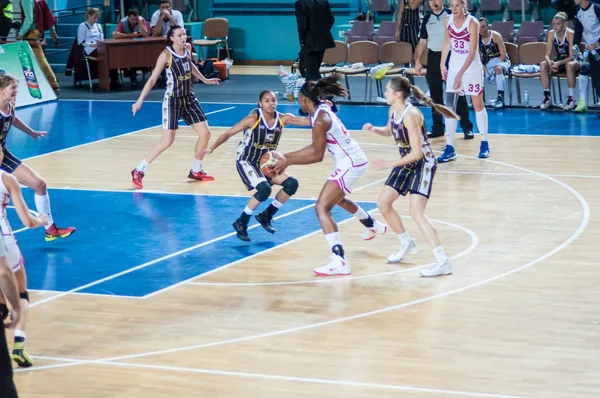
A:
[20,356]
[581,106]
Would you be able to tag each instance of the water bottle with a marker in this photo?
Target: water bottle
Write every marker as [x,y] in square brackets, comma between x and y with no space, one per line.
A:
[526,98]
[595,55]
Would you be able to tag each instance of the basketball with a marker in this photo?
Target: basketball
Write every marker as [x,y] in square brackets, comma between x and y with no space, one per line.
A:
[266,160]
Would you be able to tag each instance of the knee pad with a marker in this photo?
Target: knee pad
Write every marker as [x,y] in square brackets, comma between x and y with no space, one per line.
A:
[290,186]
[451,100]
[3,312]
[24,295]
[263,191]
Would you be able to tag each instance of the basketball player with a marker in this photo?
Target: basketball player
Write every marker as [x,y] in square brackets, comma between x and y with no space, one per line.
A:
[464,76]
[8,286]
[10,188]
[560,39]
[349,162]
[179,101]
[9,88]
[494,58]
[262,132]
[412,173]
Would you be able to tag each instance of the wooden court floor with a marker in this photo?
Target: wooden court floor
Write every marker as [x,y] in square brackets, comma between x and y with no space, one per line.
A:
[519,316]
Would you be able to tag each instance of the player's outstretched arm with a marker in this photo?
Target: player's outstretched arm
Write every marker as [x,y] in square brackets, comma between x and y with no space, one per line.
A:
[290,118]
[240,126]
[385,131]
[163,58]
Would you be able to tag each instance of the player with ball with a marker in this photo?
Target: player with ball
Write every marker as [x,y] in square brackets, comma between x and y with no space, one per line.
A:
[262,132]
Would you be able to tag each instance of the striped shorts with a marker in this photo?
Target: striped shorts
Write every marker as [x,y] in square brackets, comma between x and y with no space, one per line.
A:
[416,177]
[9,162]
[175,108]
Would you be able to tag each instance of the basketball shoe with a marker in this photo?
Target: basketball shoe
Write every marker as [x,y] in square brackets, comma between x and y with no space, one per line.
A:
[337,266]
[265,220]
[409,249]
[55,232]
[200,176]
[20,356]
[438,269]
[378,229]
[137,177]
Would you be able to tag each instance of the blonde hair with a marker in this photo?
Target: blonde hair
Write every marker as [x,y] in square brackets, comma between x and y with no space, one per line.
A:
[402,84]
[6,80]
[465,6]
[561,15]
[91,12]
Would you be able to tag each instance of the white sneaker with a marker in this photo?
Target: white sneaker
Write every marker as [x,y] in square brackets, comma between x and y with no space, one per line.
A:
[337,266]
[398,256]
[438,269]
[378,229]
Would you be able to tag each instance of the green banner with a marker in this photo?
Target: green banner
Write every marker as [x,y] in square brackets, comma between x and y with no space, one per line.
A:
[18,59]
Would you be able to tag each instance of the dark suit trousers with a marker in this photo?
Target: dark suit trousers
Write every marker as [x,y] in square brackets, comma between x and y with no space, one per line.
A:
[311,60]
[436,87]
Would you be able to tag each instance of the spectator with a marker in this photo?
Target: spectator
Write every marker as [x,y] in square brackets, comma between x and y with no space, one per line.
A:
[132,26]
[494,58]
[167,18]
[408,21]
[315,20]
[36,18]
[587,26]
[6,17]
[88,35]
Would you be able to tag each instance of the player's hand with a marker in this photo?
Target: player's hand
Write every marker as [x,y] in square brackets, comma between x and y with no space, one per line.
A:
[214,81]
[444,72]
[37,134]
[368,127]
[208,151]
[42,219]
[457,82]
[136,107]
[379,164]
[15,316]
[418,67]
[280,166]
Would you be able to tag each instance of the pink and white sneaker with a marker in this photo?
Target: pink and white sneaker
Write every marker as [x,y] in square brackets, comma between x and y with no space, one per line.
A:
[337,266]
[378,229]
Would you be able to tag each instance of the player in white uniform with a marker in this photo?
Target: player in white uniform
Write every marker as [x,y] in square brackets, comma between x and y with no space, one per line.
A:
[349,162]
[10,188]
[464,76]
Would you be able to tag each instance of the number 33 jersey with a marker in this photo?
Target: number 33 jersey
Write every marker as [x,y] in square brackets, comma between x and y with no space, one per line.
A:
[460,46]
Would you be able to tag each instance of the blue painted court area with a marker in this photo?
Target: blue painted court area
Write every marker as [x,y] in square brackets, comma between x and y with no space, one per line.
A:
[145,233]
[71,123]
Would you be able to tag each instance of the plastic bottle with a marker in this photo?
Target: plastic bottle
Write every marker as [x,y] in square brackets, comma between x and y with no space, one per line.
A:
[526,98]
[29,73]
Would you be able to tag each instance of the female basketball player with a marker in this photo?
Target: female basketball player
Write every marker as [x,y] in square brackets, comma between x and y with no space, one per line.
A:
[262,132]
[464,76]
[10,188]
[495,60]
[179,102]
[9,88]
[560,39]
[349,162]
[412,173]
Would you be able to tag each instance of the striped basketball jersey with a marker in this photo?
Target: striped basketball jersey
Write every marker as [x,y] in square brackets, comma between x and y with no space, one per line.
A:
[260,138]
[561,48]
[4,201]
[6,122]
[459,44]
[490,49]
[179,74]
[340,144]
[401,133]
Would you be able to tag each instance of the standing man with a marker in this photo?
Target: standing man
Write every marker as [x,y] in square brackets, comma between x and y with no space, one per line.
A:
[315,21]
[432,38]
[8,285]
[164,18]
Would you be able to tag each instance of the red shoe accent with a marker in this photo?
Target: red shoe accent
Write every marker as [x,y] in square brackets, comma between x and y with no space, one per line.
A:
[200,176]
[55,232]
[137,177]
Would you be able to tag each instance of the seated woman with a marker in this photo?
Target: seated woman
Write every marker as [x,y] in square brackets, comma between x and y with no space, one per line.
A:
[88,35]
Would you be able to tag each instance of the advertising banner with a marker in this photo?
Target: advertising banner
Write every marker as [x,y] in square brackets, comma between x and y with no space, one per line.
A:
[19,60]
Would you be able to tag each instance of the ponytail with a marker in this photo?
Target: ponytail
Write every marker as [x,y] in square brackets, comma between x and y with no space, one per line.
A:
[419,95]
[323,88]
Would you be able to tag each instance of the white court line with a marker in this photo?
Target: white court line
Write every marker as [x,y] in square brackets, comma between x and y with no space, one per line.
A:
[107,294]
[469,249]
[166,257]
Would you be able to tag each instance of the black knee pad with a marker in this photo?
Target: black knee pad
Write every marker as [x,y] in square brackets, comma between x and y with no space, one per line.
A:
[3,312]
[24,295]
[290,186]
[263,191]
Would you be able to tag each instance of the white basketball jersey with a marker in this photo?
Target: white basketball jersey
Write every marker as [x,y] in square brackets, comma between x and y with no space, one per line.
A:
[459,45]
[340,144]
[4,201]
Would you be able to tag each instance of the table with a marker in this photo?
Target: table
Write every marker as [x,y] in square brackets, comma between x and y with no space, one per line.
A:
[126,54]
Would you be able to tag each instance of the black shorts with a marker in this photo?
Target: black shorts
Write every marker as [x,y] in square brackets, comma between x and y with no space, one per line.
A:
[251,174]
[10,162]
[175,108]
[416,177]
[7,385]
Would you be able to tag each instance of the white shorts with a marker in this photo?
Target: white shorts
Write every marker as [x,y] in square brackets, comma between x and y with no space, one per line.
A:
[472,83]
[11,251]
[346,175]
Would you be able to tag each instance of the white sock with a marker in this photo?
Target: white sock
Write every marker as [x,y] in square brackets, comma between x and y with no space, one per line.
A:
[571,92]
[500,82]
[197,166]
[333,239]
[482,123]
[450,130]
[42,205]
[142,166]
[20,333]
[583,85]
[248,210]
[405,239]
[439,254]
[277,204]
[361,214]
